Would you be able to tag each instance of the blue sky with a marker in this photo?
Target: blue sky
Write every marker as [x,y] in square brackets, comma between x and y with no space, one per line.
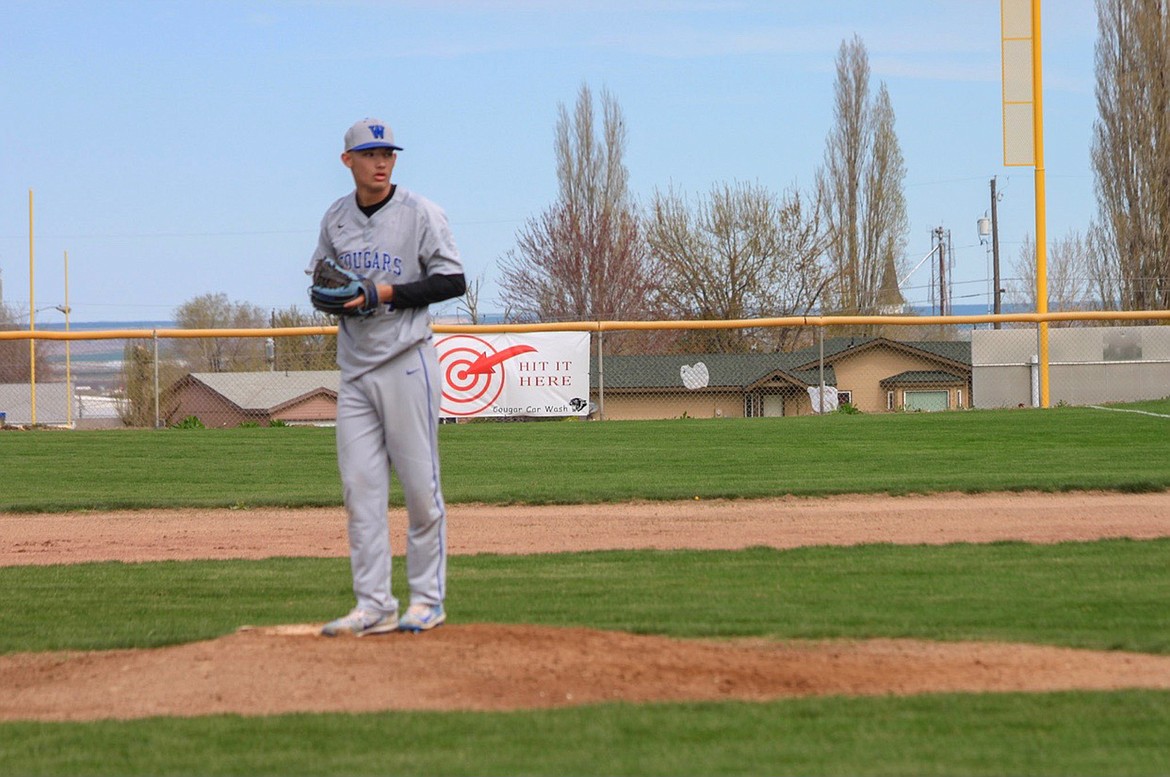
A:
[184,148]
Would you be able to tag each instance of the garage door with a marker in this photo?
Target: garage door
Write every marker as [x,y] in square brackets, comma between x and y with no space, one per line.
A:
[926,401]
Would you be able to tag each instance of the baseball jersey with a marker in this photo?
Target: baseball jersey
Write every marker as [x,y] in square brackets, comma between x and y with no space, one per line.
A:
[405,241]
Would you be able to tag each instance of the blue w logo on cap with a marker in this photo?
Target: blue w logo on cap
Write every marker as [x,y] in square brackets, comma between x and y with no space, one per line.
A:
[378,130]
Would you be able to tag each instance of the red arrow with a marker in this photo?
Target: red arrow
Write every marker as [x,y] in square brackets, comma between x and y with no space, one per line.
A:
[485,363]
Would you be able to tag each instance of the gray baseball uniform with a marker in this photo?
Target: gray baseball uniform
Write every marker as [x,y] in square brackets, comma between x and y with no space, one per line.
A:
[388,401]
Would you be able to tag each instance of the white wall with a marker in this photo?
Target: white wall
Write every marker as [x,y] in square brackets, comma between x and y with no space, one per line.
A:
[1087,365]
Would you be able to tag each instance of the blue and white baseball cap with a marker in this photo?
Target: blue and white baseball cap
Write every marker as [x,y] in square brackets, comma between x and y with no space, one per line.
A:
[370,133]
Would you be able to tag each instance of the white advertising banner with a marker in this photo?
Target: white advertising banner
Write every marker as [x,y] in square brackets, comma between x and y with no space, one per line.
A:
[502,375]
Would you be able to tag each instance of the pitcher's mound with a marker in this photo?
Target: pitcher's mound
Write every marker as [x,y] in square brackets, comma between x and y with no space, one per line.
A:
[284,669]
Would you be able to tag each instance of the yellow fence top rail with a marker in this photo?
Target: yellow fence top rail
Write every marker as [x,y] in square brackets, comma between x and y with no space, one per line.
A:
[610,326]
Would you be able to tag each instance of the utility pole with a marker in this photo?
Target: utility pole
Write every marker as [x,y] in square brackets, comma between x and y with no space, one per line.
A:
[997,295]
[939,234]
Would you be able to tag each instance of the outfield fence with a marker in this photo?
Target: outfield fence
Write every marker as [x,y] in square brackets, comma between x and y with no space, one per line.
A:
[637,369]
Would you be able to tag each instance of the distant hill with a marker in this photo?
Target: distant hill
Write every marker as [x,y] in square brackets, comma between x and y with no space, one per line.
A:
[98,326]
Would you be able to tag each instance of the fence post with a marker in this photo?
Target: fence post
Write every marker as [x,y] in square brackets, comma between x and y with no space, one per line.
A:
[600,376]
[154,336]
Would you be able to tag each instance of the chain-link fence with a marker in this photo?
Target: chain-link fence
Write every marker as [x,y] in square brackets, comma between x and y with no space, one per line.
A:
[773,368]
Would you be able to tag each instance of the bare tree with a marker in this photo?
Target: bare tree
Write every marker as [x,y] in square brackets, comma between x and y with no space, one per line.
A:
[740,253]
[16,357]
[468,305]
[1131,147]
[219,354]
[585,257]
[1069,273]
[862,186]
[136,402]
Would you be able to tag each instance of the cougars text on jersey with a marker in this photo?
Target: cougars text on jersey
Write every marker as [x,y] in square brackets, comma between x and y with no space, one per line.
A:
[369,260]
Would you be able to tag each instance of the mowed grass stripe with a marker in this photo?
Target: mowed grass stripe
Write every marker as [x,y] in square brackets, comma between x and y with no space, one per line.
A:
[1119,733]
[575,462]
[1105,595]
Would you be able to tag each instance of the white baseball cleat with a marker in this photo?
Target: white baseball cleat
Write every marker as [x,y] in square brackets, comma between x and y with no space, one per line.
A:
[422,617]
[361,622]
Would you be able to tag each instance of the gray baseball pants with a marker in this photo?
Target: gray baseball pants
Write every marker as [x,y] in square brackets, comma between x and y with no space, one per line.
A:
[388,418]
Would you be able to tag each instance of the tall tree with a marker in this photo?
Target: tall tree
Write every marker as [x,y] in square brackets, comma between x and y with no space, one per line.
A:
[862,184]
[1131,147]
[585,257]
[742,252]
[886,222]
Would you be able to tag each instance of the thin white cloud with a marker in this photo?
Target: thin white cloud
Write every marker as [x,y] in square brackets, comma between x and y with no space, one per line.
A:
[941,69]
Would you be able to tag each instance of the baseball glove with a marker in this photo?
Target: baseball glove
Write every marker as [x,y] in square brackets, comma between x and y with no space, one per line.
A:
[334,286]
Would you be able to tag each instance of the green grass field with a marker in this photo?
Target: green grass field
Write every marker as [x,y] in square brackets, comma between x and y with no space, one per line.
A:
[573,462]
[1105,595]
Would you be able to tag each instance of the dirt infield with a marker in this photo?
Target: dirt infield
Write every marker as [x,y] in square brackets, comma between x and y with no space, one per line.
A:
[490,667]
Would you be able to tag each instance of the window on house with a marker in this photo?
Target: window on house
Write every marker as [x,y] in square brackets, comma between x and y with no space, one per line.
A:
[844,397]
[889,400]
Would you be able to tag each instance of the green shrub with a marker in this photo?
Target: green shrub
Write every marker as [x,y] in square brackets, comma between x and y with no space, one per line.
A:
[190,422]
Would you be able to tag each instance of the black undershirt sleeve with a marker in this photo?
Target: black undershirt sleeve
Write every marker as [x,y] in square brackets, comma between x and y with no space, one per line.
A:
[431,289]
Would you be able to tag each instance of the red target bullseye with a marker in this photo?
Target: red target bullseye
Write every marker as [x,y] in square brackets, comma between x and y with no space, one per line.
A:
[467,393]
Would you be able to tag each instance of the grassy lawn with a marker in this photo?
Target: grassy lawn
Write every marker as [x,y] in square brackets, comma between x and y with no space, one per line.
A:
[1104,595]
[575,462]
[1121,733]
[1107,595]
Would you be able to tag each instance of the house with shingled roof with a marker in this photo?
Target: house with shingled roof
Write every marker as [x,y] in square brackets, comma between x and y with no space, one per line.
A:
[873,374]
[220,399]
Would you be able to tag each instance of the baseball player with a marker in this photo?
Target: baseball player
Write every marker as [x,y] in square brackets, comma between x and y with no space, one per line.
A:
[401,248]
